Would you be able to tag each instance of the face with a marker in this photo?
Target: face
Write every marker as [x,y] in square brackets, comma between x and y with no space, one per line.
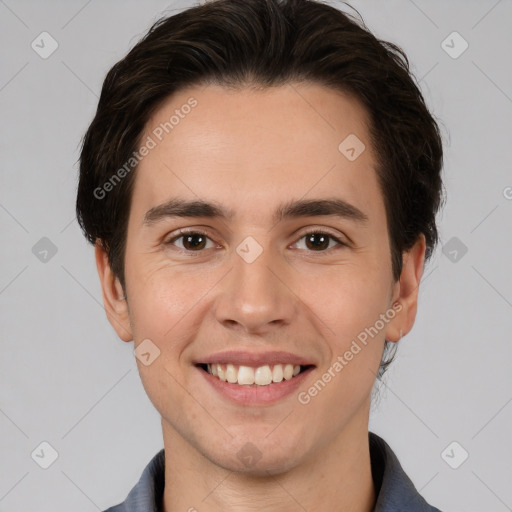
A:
[256,240]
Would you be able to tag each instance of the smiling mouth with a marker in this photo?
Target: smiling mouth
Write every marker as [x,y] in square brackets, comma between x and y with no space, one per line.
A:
[253,376]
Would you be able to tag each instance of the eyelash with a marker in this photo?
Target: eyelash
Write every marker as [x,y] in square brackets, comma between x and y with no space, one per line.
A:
[325,233]
[183,233]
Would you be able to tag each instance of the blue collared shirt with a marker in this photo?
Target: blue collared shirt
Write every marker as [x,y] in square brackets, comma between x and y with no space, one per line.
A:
[395,491]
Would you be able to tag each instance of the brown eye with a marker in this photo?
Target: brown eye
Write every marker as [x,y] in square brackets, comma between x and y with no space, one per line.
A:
[319,242]
[192,241]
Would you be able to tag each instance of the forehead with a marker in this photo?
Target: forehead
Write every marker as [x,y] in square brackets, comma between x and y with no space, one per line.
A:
[250,148]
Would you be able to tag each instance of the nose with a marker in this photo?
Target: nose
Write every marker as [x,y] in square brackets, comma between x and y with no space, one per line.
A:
[255,297]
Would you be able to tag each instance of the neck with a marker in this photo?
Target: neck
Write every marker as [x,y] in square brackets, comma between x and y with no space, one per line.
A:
[336,477]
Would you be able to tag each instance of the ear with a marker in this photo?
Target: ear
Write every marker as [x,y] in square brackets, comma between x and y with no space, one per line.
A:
[116,306]
[405,292]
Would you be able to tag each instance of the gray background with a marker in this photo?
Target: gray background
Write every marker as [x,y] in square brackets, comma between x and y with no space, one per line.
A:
[67,380]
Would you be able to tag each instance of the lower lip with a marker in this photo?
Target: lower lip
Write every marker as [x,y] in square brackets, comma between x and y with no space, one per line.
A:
[254,394]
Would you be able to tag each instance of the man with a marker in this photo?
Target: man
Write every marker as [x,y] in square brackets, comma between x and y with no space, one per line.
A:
[260,182]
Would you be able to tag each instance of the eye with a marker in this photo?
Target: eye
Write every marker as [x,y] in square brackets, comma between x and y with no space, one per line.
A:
[192,241]
[197,241]
[319,241]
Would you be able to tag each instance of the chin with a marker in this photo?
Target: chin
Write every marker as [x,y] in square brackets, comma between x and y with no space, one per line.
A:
[267,465]
[256,455]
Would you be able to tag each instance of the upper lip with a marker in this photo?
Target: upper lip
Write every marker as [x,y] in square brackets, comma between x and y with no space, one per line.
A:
[246,358]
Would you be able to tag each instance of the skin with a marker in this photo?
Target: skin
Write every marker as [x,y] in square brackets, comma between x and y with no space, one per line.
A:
[251,150]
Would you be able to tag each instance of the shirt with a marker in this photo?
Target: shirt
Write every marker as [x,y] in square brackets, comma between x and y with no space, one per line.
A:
[394,490]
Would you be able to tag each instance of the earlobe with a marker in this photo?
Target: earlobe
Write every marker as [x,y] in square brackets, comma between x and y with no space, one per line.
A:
[406,291]
[114,300]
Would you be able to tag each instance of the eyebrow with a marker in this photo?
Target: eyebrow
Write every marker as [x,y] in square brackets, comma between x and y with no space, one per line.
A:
[176,207]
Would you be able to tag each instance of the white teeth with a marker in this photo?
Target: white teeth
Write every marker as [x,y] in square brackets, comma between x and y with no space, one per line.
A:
[288,372]
[263,376]
[220,372]
[277,373]
[231,374]
[247,375]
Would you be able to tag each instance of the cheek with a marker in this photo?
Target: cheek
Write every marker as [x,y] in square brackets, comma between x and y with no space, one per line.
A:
[347,299]
[354,342]
[349,302]
[164,300]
